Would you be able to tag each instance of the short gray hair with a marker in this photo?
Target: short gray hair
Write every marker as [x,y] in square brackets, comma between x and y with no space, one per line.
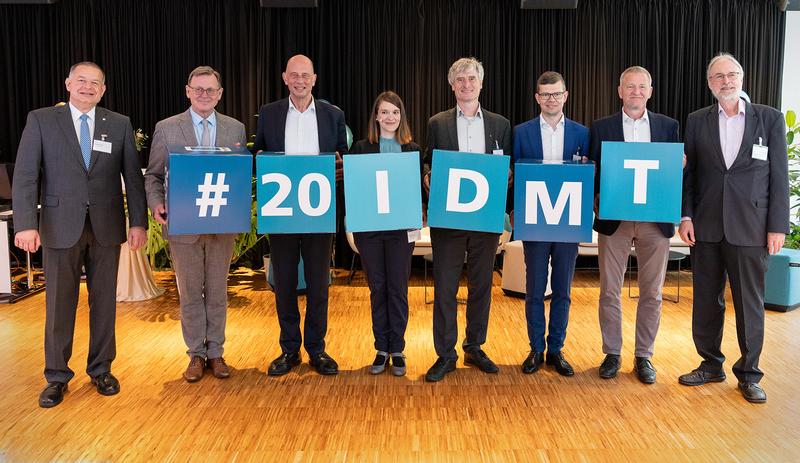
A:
[464,65]
[721,56]
[638,70]
[90,64]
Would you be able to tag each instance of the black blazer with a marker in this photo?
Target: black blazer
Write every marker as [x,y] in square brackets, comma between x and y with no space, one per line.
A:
[271,134]
[743,203]
[443,133]
[367,147]
[662,129]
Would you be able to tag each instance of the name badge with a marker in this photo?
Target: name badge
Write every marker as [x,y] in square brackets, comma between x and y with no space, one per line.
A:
[760,152]
[500,151]
[102,146]
[414,235]
[576,157]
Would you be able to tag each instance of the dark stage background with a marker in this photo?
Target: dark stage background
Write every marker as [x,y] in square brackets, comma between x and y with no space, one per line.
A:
[362,47]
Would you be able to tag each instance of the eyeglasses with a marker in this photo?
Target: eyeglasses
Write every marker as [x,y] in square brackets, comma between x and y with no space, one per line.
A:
[555,95]
[198,91]
[720,77]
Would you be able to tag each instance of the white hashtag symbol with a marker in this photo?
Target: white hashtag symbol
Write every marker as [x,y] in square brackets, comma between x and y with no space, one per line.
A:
[212,194]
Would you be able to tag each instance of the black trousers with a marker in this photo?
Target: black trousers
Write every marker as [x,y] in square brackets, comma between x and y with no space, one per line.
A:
[745,267]
[449,248]
[386,258]
[285,252]
[62,270]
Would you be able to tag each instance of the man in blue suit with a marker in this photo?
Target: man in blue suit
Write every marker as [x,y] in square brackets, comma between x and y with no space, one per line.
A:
[635,123]
[551,137]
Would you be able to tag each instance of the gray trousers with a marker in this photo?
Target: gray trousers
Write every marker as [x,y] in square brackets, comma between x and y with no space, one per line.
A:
[449,247]
[652,250]
[201,270]
[62,270]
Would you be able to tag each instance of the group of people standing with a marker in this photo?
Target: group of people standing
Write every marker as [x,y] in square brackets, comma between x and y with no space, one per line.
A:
[735,211]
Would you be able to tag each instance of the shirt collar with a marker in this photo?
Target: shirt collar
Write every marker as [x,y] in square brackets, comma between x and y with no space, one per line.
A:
[76,113]
[742,107]
[543,123]
[629,120]
[460,113]
[198,119]
[312,107]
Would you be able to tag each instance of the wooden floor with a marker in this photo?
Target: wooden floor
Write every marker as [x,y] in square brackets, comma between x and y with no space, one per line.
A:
[470,416]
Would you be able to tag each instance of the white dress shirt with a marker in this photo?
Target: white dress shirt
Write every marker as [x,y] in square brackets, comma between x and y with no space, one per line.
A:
[731,131]
[471,135]
[76,121]
[552,140]
[301,135]
[636,130]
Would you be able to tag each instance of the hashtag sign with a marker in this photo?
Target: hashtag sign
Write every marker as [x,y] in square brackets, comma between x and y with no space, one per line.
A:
[212,194]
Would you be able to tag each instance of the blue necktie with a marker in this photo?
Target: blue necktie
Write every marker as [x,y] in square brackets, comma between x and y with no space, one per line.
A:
[86,144]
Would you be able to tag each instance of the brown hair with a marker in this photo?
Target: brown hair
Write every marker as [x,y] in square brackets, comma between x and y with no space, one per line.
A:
[204,71]
[549,78]
[403,134]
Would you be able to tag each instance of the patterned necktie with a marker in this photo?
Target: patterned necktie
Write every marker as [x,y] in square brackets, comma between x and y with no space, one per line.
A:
[206,137]
[86,144]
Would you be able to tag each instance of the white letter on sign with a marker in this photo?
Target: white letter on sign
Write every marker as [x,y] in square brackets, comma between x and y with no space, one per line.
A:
[272,208]
[382,187]
[304,193]
[536,192]
[454,188]
[640,168]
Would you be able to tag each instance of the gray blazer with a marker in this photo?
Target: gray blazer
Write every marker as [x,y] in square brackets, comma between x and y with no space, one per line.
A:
[178,130]
[443,134]
[751,198]
[49,157]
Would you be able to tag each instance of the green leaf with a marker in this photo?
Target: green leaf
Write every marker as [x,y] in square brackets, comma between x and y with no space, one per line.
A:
[791,118]
[789,138]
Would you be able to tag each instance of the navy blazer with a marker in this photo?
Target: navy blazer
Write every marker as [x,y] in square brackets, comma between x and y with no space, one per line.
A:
[271,134]
[528,140]
[663,129]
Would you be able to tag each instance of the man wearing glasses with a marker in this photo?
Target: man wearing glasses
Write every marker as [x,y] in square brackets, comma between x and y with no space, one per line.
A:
[735,211]
[301,124]
[201,262]
[551,137]
[638,125]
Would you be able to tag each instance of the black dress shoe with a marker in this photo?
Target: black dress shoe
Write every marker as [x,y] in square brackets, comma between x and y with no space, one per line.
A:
[560,363]
[478,358]
[699,377]
[610,366]
[532,364]
[52,394]
[644,370]
[753,393]
[324,364]
[106,384]
[284,364]
[442,367]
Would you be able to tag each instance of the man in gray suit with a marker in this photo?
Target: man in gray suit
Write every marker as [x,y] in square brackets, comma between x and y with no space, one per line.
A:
[468,128]
[735,211]
[75,153]
[201,262]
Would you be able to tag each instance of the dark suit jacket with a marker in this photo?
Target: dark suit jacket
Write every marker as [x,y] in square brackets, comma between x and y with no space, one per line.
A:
[49,156]
[179,130]
[743,203]
[663,129]
[528,140]
[271,134]
[366,147]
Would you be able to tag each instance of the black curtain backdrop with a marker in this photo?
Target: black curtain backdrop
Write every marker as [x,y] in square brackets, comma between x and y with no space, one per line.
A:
[362,47]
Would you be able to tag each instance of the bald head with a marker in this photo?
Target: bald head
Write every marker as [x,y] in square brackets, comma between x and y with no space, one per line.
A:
[299,78]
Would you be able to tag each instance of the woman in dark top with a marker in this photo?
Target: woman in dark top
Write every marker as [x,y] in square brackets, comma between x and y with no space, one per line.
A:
[386,255]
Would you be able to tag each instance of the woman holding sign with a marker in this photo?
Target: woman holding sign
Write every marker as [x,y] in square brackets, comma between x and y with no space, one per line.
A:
[386,255]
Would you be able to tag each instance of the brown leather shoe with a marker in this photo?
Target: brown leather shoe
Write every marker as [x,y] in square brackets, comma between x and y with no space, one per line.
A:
[218,368]
[195,369]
